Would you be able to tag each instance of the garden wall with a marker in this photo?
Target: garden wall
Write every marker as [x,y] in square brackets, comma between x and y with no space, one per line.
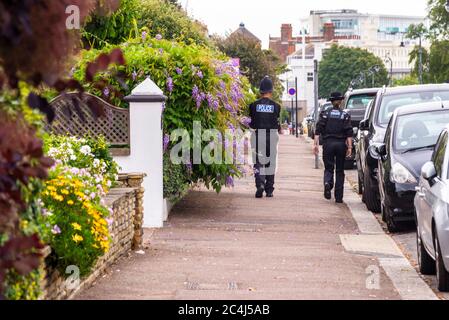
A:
[126,233]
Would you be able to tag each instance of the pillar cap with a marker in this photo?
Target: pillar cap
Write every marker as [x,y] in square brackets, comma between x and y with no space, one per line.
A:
[146,91]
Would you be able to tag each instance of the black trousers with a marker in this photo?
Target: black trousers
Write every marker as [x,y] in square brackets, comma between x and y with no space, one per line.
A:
[264,145]
[334,155]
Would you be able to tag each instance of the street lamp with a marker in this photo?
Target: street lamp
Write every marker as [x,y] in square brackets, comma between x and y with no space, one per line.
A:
[388,59]
[447,6]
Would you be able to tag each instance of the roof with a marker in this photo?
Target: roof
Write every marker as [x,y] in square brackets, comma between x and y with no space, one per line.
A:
[362,91]
[416,88]
[243,32]
[422,107]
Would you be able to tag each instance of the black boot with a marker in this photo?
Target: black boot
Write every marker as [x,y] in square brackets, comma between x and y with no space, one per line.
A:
[259,193]
[327,191]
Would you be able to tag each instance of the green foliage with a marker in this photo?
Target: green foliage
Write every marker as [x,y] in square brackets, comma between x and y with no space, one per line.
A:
[74,212]
[340,65]
[439,20]
[176,182]
[162,17]
[114,28]
[201,85]
[255,62]
[435,62]
[406,81]
[23,287]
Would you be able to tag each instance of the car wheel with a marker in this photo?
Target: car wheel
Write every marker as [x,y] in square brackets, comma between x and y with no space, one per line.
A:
[360,186]
[425,261]
[371,201]
[392,225]
[442,274]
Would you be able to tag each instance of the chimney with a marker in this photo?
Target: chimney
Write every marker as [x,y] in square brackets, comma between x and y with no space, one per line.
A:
[329,32]
[286,32]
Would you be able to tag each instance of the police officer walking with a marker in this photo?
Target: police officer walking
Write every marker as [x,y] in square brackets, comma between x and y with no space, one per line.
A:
[335,128]
[265,115]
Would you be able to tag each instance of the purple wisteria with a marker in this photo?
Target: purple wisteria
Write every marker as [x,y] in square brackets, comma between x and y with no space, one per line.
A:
[229,181]
[166,142]
[178,71]
[158,37]
[170,84]
[197,96]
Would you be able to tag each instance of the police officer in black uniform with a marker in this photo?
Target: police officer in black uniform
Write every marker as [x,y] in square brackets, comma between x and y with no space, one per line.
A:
[265,115]
[336,130]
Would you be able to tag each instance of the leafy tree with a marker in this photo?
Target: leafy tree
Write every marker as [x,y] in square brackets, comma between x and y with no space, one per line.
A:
[341,65]
[439,19]
[255,62]
[406,81]
[435,62]
[155,17]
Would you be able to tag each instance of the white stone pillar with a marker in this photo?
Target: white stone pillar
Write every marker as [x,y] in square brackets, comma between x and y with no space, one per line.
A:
[145,106]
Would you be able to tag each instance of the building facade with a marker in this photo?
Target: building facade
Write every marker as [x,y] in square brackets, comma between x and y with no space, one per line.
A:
[382,35]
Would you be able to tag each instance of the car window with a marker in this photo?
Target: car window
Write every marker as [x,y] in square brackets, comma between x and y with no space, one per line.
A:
[359,102]
[438,155]
[419,130]
[368,109]
[391,102]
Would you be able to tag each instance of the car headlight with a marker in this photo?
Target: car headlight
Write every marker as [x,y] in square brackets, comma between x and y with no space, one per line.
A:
[400,174]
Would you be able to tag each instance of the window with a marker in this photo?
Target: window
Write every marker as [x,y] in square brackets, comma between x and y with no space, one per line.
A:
[438,155]
[309,76]
[419,130]
[359,102]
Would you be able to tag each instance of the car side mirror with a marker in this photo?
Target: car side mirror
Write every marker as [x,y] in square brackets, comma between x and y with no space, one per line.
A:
[364,125]
[429,171]
[374,151]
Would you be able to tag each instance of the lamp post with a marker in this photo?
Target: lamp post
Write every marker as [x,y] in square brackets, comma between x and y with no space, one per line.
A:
[388,59]
[447,6]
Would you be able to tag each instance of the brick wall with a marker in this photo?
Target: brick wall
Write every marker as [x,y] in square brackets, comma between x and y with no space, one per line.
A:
[126,233]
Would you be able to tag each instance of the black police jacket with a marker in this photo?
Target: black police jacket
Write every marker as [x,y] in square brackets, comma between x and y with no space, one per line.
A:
[265,114]
[334,124]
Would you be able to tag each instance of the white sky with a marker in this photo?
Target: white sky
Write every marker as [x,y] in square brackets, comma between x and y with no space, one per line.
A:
[264,17]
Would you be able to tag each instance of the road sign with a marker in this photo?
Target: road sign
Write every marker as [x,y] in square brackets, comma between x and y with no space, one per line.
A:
[292,91]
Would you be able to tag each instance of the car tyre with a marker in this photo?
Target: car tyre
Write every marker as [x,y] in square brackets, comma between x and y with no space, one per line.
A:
[360,186]
[442,274]
[425,261]
[371,201]
[387,216]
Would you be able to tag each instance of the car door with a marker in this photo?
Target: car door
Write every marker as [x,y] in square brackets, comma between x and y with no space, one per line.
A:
[363,142]
[431,192]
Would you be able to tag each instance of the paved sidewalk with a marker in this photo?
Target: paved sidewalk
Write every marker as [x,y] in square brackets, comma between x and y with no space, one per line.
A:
[233,246]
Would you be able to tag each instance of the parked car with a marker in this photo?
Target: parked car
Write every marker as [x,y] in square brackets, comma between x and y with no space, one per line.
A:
[432,214]
[316,117]
[355,103]
[409,141]
[372,131]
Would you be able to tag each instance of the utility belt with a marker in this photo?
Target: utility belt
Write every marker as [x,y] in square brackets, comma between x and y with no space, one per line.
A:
[331,137]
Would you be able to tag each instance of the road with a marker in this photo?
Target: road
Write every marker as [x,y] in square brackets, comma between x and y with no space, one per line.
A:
[406,240]
[294,246]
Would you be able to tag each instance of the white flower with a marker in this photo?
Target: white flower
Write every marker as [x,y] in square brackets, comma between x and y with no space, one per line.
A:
[96,162]
[109,183]
[52,151]
[85,150]
[73,157]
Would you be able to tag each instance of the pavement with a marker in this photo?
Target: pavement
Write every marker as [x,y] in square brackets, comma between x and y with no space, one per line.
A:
[294,246]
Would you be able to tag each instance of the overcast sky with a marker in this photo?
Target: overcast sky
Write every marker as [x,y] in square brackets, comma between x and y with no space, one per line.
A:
[264,17]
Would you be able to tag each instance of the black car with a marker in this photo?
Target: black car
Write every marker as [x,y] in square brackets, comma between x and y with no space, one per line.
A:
[316,117]
[372,131]
[355,103]
[409,141]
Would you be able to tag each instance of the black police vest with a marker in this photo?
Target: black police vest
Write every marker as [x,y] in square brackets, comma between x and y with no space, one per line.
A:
[335,124]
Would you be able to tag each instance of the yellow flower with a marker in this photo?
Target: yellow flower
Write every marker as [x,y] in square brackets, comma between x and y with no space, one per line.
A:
[70,203]
[77,238]
[76,226]
[66,192]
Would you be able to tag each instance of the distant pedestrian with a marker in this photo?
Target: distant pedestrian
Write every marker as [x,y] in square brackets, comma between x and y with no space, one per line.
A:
[335,127]
[265,115]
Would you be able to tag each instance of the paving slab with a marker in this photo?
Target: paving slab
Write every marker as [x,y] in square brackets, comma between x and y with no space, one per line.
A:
[233,246]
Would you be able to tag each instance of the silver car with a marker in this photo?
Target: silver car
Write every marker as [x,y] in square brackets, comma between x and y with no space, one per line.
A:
[432,214]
